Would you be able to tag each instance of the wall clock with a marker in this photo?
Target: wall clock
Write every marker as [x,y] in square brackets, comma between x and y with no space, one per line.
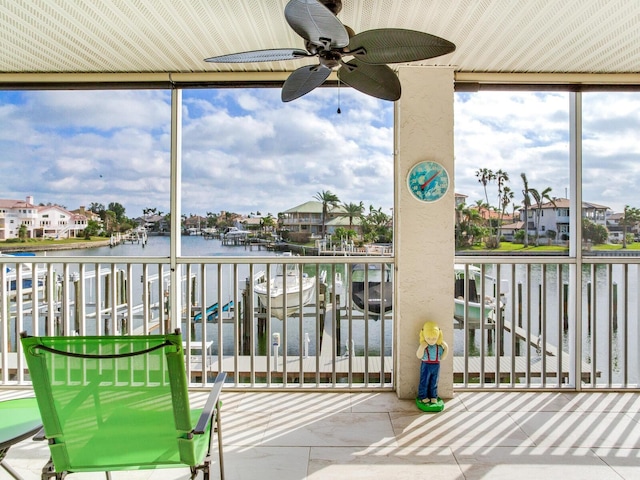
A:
[428,181]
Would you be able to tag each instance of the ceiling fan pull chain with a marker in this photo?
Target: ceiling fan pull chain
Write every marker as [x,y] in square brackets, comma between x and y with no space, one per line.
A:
[339,112]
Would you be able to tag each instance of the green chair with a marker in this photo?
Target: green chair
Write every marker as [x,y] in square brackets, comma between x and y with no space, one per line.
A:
[120,403]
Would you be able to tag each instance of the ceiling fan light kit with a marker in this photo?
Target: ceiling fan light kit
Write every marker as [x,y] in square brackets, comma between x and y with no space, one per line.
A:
[367,53]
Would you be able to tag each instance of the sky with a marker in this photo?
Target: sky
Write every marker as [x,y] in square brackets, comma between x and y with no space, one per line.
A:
[245,151]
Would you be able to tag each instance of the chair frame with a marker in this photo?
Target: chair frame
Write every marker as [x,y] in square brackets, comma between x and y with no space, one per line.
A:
[210,413]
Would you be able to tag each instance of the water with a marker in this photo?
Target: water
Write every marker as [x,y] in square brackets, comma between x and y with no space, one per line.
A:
[198,246]
[605,334]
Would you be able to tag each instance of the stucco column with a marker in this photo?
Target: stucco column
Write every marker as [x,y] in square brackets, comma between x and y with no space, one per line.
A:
[424,232]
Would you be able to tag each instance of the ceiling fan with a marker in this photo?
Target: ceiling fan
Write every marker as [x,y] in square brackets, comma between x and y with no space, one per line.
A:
[328,39]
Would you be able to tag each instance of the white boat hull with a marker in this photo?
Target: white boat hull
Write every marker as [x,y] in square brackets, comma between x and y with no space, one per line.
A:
[277,295]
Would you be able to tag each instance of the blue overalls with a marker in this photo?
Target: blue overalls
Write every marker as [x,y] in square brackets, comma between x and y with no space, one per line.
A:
[429,372]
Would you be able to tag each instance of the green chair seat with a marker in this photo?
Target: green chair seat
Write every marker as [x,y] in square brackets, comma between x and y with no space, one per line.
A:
[120,403]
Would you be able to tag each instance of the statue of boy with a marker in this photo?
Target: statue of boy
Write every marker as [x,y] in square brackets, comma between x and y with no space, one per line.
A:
[432,349]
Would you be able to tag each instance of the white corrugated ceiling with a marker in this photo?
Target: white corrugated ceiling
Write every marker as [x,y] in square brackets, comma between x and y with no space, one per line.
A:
[504,36]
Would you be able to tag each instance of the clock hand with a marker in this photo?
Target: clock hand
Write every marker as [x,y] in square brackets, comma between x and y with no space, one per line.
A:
[431,179]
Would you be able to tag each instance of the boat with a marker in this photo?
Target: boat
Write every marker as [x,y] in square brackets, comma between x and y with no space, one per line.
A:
[373,294]
[11,273]
[234,232]
[274,289]
[473,295]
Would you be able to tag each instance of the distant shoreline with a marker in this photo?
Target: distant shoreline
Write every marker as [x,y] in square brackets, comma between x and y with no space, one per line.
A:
[31,247]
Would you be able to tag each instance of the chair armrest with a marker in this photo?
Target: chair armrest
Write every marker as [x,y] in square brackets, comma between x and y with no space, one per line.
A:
[211,404]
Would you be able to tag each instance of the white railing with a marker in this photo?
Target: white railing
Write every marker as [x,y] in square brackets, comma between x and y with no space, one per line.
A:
[547,333]
[541,333]
[232,317]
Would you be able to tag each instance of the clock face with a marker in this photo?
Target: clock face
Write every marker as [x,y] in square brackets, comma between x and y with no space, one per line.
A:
[428,181]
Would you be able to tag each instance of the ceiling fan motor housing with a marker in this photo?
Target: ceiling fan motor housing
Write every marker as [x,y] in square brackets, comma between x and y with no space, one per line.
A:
[334,5]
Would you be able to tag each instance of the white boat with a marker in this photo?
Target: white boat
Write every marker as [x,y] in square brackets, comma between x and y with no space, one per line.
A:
[234,233]
[274,288]
[473,294]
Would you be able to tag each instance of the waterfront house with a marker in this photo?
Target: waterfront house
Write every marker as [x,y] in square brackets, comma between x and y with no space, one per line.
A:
[16,213]
[56,222]
[554,216]
[509,230]
[305,221]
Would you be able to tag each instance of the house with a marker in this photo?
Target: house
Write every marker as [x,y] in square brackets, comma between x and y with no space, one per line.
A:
[194,224]
[52,221]
[56,222]
[153,223]
[554,216]
[509,230]
[91,216]
[343,222]
[307,218]
[14,214]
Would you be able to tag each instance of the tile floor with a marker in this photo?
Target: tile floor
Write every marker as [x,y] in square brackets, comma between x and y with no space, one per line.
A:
[318,436]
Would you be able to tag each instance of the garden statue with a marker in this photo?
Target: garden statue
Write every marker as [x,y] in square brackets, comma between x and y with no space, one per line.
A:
[432,350]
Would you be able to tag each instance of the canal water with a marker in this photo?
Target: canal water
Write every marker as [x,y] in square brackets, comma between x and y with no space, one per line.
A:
[537,301]
[534,301]
[363,337]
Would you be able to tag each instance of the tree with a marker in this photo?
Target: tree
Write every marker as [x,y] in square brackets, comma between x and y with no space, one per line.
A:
[329,201]
[97,208]
[540,197]
[342,233]
[507,197]
[485,175]
[212,219]
[109,221]
[593,232]
[118,210]
[526,203]
[375,226]
[630,218]
[352,210]
[23,232]
[268,222]
[92,229]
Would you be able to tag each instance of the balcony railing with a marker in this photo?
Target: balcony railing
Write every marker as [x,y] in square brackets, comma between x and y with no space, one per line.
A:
[302,329]
[536,330]
[545,332]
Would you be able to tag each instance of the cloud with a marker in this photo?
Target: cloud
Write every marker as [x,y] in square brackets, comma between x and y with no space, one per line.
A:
[244,150]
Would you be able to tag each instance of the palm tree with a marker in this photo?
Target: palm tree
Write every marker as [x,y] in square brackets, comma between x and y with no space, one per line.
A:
[506,196]
[540,197]
[352,210]
[485,175]
[526,203]
[267,222]
[329,201]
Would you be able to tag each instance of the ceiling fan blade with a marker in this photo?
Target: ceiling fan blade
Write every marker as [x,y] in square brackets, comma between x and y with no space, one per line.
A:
[315,22]
[376,80]
[303,80]
[396,45]
[273,55]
